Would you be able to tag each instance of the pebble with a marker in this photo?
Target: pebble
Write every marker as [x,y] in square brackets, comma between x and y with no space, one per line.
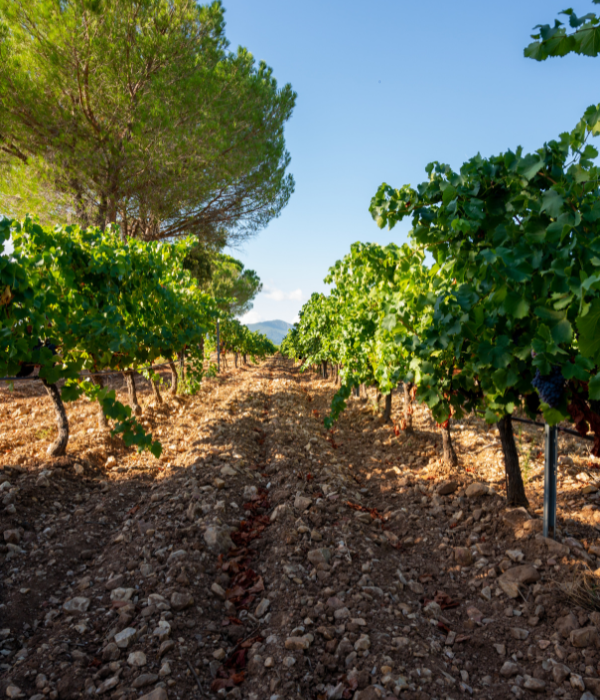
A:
[217,539]
[319,556]
[486,593]
[289,661]
[12,536]
[107,685]
[163,630]
[463,556]
[301,502]
[145,679]
[566,624]
[577,682]
[586,637]
[515,554]
[512,579]
[181,601]
[114,582]
[519,633]
[126,637]
[262,607]
[165,647]
[297,643]
[122,594]
[447,487]
[560,673]
[534,684]
[77,604]
[509,669]
[165,669]
[136,658]
[363,643]
[218,590]
[476,490]
[156,694]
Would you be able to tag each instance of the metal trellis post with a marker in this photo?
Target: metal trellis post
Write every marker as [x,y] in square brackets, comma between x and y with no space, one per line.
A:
[550,481]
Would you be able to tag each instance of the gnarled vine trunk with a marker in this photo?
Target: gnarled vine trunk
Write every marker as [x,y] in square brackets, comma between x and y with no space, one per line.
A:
[133,401]
[235,359]
[182,364]
[174,379]
[98,380]
[449,457]
[59,446]
[515,489]
[387,410]
[324,369]
[156,391]
[408,409]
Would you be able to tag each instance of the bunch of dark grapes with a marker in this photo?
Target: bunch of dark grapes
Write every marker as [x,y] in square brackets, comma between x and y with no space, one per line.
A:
[551,386]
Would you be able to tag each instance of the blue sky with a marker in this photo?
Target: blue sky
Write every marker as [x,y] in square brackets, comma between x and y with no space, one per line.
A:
[384,88]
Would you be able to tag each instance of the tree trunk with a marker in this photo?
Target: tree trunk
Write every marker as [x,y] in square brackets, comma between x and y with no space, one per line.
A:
[173,377]
[245,359]
[182,364]
[235,359]
[133,402]
[98,380]
[515,490]
[324,366]
[408,410]
[156,391]
[387,411]
[449,457]
[59,446]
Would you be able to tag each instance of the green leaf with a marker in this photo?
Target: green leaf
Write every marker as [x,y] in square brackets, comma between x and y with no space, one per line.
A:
[562,332]
[553,416]
[448,195]
[530,166]
[594,387]
[389,322]
[589,332]
[516,305]
[552,203]
[549,314]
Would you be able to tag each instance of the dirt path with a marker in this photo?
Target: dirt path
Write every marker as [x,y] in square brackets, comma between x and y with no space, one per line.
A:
[264,557]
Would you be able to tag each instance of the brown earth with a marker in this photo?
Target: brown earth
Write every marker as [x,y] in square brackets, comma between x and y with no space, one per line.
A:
[264,557]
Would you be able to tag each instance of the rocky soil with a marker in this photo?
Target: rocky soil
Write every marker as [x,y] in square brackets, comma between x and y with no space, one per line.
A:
[264,557]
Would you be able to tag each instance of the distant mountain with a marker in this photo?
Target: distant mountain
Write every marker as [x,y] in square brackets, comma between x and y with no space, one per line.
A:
[274,330]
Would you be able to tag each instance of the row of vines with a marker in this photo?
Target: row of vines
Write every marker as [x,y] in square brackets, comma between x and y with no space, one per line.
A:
[492,307]
[79,303]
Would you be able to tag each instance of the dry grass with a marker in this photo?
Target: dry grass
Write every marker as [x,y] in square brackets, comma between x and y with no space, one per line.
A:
[582,589]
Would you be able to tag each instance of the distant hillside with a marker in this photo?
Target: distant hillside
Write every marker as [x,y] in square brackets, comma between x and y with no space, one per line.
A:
[274,330]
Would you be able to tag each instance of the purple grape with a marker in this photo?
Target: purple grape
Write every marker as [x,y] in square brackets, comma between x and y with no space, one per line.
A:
[550,386]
